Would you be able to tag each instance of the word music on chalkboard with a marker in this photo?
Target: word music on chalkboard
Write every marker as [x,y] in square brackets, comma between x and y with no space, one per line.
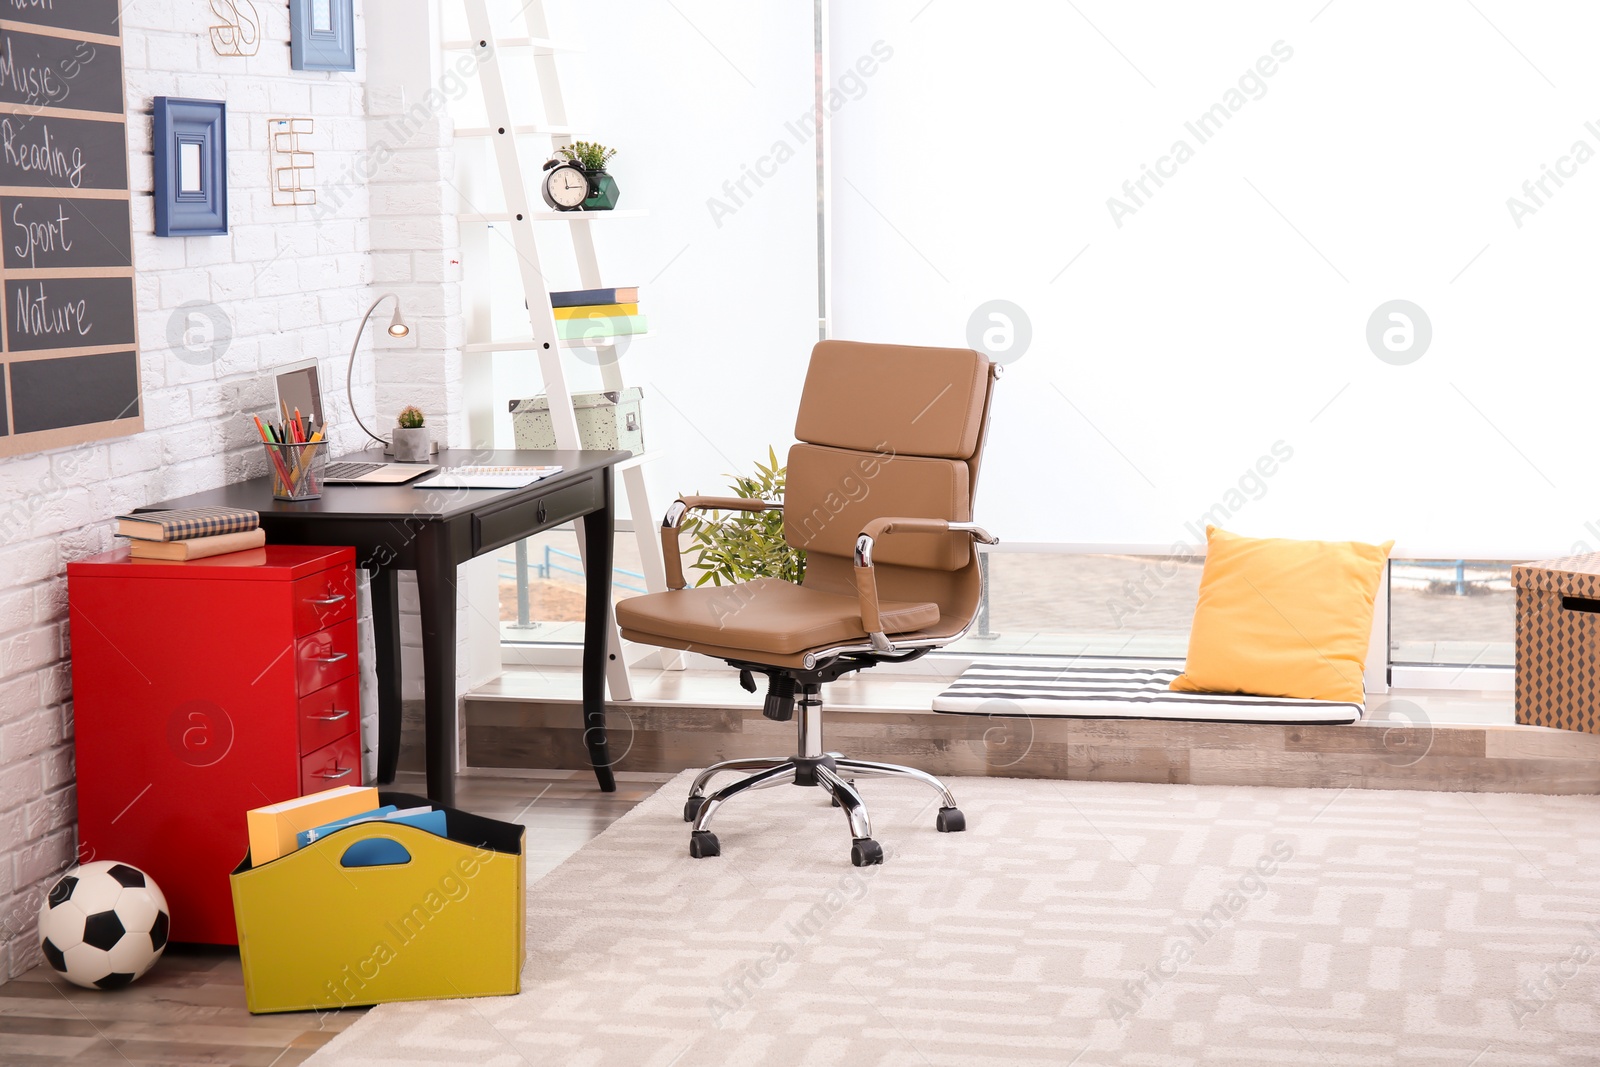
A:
[69,355]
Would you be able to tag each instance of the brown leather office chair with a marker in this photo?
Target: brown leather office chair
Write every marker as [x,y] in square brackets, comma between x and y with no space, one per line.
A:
[879,495]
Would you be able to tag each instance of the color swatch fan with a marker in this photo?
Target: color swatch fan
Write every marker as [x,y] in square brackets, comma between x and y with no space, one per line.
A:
[103,925]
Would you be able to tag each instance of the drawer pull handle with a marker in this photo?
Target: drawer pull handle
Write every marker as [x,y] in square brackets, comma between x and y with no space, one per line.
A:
[335,658]
[337,598]
[332,716]
[540,513]
[338,772]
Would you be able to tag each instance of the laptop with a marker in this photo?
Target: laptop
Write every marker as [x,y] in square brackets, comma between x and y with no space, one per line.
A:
[299,389]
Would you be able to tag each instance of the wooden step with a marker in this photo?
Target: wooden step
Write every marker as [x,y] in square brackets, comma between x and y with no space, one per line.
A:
[671,735]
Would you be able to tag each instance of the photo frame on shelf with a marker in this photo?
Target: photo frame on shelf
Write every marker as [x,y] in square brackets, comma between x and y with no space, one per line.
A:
[322,35]
[191,167]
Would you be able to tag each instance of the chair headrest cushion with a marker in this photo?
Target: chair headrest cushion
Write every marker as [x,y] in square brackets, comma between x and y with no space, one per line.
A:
[908,400]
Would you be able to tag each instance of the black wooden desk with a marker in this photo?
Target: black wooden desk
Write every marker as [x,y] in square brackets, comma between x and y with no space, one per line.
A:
[432,532]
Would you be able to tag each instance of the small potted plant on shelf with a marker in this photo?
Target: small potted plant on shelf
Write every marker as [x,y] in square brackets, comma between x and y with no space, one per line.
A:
[592,158]
[410,441]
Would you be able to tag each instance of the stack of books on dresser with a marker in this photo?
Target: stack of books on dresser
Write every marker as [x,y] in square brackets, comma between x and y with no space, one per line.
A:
[584,314]
[191,533]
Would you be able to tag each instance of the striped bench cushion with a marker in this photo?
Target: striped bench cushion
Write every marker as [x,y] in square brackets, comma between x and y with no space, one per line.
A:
[1072,691]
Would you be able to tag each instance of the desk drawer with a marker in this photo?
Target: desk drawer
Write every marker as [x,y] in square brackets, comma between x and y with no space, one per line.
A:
[324,657]
[329,714]
[332,766]
[550,508]
[324,600]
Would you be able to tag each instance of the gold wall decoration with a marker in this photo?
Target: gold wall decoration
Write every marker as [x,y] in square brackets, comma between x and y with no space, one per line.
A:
[293,165]
[239,33]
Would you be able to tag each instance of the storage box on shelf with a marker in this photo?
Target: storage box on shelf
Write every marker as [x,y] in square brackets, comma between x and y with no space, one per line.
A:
[202,690]
[606,420]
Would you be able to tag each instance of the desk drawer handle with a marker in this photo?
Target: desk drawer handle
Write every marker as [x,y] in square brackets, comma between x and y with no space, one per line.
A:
[540,513]
[339,773]
[335,658]
[333,716]
[337,598]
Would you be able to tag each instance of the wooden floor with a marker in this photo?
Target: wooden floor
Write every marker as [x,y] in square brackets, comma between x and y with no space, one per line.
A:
[190,1008]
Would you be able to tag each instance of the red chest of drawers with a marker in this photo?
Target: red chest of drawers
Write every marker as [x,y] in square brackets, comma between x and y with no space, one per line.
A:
[202,690]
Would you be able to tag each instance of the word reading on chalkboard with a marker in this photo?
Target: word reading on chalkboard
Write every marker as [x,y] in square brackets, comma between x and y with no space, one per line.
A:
[41,156]
[49,231]
[52,152]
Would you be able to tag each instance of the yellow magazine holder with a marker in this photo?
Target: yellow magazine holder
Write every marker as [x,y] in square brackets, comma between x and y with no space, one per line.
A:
[448,921]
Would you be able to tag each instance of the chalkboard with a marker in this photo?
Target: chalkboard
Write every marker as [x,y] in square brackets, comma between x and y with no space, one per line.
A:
[50,394]
[68,313]
[69,359]
[46,151]
[56,72]
[56,231]
[87,16]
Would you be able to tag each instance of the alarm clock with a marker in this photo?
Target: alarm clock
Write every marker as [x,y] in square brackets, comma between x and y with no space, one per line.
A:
[565,186]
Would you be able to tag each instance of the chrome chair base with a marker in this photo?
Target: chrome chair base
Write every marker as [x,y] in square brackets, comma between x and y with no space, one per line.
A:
[830,771]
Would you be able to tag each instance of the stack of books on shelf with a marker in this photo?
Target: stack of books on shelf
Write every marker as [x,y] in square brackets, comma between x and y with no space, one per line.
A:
[279,829]
[191,533]
[584,314]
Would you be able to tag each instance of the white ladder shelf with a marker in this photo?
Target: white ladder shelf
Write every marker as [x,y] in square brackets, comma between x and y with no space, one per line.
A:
[520,217]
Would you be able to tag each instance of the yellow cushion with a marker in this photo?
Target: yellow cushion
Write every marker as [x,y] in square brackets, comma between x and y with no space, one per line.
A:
[1283,618]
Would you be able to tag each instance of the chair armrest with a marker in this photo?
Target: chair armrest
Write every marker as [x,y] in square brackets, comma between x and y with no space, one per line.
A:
[866,577]
[671,554]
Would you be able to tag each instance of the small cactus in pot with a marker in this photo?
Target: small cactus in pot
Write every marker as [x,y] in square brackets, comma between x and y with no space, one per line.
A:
[411,443]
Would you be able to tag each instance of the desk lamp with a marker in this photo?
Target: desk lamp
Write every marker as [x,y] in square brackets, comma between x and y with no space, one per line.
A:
[397,328]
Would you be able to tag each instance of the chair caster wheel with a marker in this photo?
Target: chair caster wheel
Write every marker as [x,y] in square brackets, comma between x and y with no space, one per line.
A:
[703,843]
[951,821]
[691,808]
[865,852]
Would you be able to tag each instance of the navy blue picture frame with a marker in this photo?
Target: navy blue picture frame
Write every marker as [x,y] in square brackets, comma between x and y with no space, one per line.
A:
[318,43]
[191,167]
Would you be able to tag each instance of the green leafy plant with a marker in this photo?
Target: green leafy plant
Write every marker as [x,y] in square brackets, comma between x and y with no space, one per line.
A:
[589,155]
[411,418]
[736,546]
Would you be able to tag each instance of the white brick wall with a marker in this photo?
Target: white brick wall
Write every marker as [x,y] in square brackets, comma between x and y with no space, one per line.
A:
[416,255]
[289,283]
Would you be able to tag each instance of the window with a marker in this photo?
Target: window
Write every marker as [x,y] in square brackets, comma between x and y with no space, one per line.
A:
[541,587]
[1451,613]
[1060,604]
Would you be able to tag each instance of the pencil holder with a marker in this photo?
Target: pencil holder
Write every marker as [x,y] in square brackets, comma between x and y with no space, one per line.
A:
[297,469]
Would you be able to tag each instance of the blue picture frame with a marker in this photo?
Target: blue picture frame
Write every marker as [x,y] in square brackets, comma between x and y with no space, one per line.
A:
[322,34]
[191,167]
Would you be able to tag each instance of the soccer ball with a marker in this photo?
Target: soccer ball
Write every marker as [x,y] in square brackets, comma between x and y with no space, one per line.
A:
[103,924]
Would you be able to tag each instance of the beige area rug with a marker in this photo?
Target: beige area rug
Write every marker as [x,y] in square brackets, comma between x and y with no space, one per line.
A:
[1073,923]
